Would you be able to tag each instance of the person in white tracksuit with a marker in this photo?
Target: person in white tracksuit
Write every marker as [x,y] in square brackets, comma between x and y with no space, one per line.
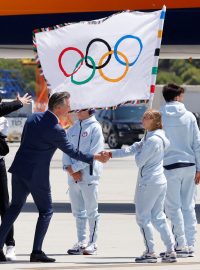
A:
[85,135]
[151,187]
[182,168]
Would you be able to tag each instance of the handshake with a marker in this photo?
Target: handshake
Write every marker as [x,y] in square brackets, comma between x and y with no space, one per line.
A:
[103,156]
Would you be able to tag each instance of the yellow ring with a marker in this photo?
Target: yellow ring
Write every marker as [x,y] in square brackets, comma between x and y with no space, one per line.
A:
[119,78]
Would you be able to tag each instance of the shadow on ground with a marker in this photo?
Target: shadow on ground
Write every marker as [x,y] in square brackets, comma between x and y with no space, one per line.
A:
[115,208]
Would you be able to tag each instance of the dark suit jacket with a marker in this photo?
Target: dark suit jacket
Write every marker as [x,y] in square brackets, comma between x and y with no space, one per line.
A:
[41,136]
[8,107]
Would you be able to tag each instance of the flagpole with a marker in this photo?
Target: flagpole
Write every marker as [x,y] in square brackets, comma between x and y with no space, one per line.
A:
[156,56]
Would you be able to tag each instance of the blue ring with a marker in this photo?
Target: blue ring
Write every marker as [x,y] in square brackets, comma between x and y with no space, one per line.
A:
[117,45]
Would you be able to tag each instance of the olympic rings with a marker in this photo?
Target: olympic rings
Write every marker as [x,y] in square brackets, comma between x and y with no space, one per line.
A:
[90,77]
[117,45]
[87,50]
[119,78]
[101,65]
[60,60]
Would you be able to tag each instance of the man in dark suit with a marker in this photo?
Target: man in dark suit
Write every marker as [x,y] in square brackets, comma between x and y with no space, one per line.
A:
[42,135]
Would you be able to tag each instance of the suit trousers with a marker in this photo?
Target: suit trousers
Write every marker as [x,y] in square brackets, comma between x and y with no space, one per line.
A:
[4,200]
[41,193]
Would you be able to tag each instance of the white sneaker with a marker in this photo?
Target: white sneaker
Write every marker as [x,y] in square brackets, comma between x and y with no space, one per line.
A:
[182,252]
[146,258]
[168,257]
[10,253]
[91,249]
[191,251]
[77,249]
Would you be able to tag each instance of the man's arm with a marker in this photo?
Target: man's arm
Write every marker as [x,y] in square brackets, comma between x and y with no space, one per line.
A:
[61,142]
[97,145]
[8,107]
[66,160]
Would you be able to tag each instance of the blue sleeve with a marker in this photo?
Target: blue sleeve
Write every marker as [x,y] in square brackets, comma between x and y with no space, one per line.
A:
[128,151]
[125,152]
[66,160]
[8,107]
[97,145]
[60,141]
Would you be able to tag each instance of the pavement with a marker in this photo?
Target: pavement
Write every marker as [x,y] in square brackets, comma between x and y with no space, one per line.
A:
[119,238]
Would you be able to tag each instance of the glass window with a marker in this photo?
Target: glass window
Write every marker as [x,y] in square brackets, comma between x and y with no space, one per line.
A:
[130,113]
[108,114]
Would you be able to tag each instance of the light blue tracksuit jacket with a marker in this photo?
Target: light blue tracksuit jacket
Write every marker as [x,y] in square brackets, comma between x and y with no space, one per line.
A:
[151,187]
[182,130]
[183,133]
[87,136]
[149,153]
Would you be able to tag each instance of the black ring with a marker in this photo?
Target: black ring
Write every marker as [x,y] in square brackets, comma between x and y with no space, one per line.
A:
[87,50]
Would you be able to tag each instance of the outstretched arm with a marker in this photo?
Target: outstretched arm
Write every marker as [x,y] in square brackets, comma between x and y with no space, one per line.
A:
[128,151]
[60,141]
[8,107]
[96,145]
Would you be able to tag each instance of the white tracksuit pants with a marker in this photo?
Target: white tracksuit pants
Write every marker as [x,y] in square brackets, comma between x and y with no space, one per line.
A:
[149,201]
[180,204]
[84,204]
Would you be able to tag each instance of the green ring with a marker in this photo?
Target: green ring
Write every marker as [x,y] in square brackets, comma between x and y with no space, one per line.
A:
[90,77]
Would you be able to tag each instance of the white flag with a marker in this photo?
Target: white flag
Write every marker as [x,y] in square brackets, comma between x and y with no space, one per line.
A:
[105,62]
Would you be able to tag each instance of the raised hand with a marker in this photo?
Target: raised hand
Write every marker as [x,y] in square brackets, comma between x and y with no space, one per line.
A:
[26,99]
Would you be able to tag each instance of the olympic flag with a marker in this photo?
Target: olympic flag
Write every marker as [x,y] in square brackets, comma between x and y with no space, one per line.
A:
[105,62]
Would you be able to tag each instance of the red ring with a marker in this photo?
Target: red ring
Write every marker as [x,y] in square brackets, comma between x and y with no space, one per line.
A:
[60,58]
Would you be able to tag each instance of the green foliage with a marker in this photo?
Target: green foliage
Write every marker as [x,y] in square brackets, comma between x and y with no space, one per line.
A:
[27,73]
[191,76]
[165,77]
[179,71]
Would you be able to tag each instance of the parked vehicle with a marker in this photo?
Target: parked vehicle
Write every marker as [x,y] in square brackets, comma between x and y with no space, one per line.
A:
[123,125]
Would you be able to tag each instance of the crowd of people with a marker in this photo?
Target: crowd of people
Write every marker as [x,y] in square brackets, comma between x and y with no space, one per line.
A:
[168,172]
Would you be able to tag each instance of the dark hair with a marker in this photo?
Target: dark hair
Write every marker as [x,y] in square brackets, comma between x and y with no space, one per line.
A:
[171,90]
[57,99]
[91,111]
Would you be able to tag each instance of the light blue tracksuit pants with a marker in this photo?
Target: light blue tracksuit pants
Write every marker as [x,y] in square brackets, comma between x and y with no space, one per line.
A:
[84,204]
[180,204]
[149,200]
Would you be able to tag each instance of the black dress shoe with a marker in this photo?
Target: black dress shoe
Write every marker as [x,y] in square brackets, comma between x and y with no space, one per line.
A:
[2,256]
[41,257]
